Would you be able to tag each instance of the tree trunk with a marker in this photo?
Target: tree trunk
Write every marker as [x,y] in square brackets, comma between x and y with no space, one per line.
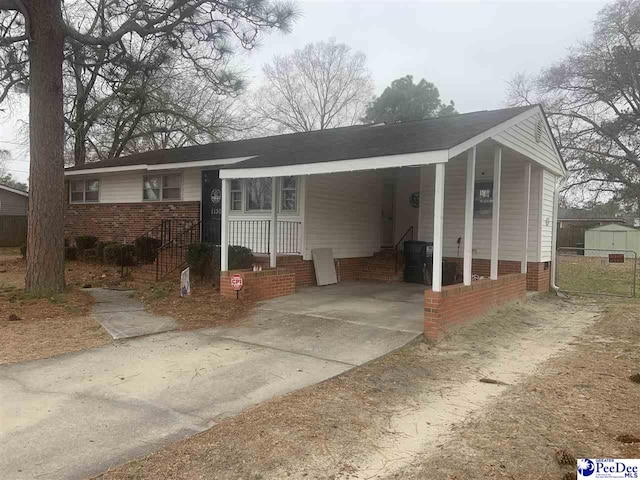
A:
[45,244]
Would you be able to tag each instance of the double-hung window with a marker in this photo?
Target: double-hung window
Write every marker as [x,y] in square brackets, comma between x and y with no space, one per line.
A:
[236,195]
[84,191]
[162,187]
[258,194]
[289,194]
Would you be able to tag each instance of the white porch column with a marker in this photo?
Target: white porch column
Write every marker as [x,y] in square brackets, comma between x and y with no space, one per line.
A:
[438,228]
[468,216]
[224,226]
[525,216]
[273,241]
[495,219]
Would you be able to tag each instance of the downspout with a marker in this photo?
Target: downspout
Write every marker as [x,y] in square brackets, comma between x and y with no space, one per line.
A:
[554,232]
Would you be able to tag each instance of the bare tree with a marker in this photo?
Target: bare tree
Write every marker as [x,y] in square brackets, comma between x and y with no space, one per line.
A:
[593,101]
[35,31]
[323,85]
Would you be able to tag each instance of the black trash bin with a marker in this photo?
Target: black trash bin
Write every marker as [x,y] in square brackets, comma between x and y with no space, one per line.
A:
[417,256]
[579,248]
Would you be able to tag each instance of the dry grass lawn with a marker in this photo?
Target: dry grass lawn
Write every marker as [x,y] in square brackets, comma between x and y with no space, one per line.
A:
[579,401]
[33,328]
[597,275]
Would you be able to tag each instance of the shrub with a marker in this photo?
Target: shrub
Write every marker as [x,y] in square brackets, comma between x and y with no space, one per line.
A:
[146,249]
[203,259]
[240,257]
[23,250]
[118,253]
[70,253]
[85,242]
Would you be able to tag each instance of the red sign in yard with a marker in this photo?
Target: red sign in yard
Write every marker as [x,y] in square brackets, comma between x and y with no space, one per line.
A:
[616,258]
[236,282]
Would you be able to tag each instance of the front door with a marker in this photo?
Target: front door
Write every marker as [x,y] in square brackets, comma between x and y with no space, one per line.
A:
[388,201]
[211,206]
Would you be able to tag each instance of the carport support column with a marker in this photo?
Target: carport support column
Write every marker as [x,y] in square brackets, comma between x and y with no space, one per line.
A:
[273,232]
[224,226]
[525,217]
[438,228]
[495,218]
[468,216]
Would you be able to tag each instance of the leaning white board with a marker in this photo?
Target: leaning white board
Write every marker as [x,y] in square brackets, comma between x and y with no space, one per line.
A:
[324,266]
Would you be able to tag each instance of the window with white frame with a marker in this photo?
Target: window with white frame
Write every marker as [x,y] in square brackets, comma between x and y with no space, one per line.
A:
[84,191]
[236,195]
[289,194]
[258,194]
[162,187]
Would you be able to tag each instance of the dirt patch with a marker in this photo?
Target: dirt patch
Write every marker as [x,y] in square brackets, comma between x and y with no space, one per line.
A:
[33,328]
[322,431]
[204,308]
[581,402]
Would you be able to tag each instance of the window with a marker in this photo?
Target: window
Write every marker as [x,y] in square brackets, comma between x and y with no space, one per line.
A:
[289,202]
[236,195]
[162,187]
[84,191]
[483,199]
[258,193]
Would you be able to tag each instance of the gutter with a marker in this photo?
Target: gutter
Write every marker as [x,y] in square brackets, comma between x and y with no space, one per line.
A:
[554,232]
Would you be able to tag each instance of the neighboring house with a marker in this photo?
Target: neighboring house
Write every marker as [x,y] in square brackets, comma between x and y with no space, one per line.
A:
[480,187]
[14,208]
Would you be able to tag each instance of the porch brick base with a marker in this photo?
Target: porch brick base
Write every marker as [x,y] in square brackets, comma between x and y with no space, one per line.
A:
[269,283]
[456,304]
[538,273]
[122,222]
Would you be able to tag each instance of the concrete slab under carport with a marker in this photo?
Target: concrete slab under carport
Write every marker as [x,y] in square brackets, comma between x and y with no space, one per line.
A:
[393,306]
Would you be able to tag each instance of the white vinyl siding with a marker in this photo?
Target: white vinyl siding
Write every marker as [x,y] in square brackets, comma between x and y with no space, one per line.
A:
[521,138]
[126,187]
[13,203]
[511,210]
[343,213]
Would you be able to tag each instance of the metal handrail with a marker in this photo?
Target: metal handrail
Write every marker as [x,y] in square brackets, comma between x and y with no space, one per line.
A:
[400,242]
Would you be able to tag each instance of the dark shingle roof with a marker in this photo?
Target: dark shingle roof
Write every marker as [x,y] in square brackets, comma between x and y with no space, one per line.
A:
[331,145]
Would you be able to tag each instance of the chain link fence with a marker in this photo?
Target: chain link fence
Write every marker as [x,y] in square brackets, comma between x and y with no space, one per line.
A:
[597,271]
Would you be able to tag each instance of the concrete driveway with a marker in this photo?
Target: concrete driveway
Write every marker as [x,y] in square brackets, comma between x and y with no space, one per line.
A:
[75,415]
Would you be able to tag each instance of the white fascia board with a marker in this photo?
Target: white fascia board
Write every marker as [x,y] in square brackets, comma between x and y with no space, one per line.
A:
[461,147]
[338,166]
[160,166]
[13,190]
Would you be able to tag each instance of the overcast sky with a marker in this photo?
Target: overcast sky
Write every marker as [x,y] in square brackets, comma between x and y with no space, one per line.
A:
[468,49]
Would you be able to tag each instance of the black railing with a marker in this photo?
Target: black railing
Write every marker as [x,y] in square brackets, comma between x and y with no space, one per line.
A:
[399,247]
[173,255]
[145,249]
[289,237]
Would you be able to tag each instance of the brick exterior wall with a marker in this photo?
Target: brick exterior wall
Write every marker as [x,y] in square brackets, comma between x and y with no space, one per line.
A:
[538,273]
[269,283]
[458,303]
[122,222]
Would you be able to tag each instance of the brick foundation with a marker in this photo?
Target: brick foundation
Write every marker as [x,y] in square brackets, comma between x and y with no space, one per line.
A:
[269,283]
[122,222]
[458,303]
[538,273]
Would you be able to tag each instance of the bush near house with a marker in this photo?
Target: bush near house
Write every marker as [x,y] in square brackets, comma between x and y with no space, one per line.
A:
[116,253]
[146,249]
[85,242]
[204,259]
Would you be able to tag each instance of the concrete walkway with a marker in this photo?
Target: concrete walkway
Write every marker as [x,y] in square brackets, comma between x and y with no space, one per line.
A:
[77,414]
[123,316]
